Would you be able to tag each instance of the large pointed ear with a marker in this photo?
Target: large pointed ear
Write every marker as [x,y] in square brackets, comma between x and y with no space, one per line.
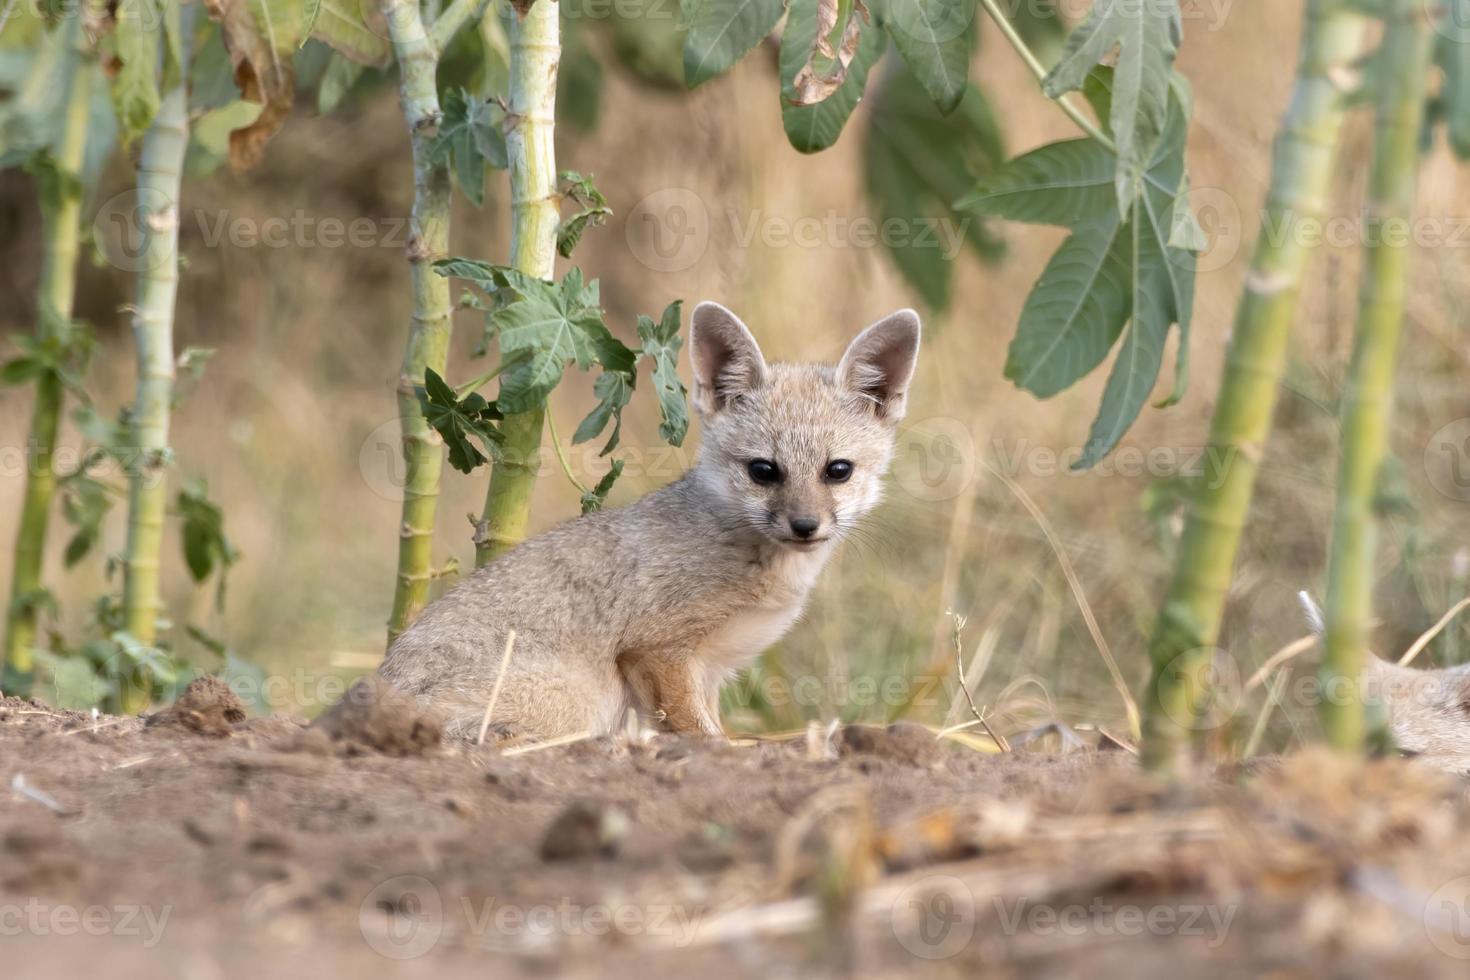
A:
[879,363]
[727,361]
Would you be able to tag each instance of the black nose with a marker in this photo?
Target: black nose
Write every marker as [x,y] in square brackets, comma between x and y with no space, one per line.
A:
[804,527]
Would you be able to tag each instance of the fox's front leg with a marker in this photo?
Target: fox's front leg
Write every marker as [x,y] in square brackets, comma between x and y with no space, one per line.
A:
[673,688]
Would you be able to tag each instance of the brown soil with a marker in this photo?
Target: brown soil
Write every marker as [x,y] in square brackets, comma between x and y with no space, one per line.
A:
[215,847]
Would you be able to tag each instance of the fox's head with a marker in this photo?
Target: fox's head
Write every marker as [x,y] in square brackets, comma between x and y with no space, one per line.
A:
[798,451]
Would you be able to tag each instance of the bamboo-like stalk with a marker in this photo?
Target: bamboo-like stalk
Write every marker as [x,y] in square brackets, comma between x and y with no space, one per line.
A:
[430,325]
[1189,622]
[62,216]
[160,176]
[1367,402]
[535,53]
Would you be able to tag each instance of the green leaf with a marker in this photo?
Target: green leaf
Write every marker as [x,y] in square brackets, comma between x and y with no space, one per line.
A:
[1074,313]
[85,503]
[134,48]
[458,420]
[594,499]
[593,211]
[721,31]
[917,163]
[1059,184]
[811,128]
[356,28]
[614,390]
[934,37]
[1146,35]
[552,325]
[1452,51]
[206,548]
[579,81]
[1115,268]
[470,136]
[661,343]
[20,370]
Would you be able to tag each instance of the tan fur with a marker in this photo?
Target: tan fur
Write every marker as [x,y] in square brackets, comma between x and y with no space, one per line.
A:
[1428,710]
[653,606]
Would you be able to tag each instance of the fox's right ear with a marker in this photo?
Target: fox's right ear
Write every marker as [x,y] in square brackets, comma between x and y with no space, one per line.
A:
[727,360]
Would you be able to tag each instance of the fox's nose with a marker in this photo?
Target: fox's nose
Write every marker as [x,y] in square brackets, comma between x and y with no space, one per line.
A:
[804,527]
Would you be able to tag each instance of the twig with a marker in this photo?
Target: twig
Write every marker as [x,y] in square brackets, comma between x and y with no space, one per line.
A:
[550,743]
[1129,705]
[19,785]
[1292,650]
[1434,631]
[510,644]
[959,663]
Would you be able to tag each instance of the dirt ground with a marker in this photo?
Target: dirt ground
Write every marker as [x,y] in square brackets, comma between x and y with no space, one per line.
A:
[204,845]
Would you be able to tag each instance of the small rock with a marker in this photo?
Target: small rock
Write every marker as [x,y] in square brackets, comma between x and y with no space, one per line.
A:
[903,742]
[207,707]
[585,829]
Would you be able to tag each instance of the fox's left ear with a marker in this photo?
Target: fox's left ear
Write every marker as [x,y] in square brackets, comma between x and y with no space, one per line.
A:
[879,363]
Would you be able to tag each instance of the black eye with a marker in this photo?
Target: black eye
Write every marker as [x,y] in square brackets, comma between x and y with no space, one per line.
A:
[763,471]
[838,471]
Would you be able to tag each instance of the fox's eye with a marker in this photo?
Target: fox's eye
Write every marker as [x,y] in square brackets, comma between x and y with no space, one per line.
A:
[838,471]
[763,471]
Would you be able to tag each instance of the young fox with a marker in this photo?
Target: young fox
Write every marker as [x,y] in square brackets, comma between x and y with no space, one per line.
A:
[653,606]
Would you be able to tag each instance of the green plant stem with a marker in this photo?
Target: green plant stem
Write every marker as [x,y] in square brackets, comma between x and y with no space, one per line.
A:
[430,325]
[535,53]
[1367,402]
[561,456]
[447,24]
[160,171]
[62,214]
[1016,41]
[1182,646]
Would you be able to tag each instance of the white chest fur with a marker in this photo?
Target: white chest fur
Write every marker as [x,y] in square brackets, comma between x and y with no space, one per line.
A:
[786,582]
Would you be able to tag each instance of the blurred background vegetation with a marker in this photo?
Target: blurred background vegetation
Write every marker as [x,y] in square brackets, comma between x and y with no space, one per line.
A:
[295,428]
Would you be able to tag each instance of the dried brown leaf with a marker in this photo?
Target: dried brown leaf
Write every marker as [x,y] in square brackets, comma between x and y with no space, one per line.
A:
[812,84]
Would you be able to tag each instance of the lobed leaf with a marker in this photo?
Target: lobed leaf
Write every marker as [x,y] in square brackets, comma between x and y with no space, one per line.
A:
[720,32]
[934,38]
[1146,35]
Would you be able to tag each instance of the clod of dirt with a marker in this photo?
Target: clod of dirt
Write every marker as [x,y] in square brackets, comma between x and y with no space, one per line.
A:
[207,707]
[583,830]
[903,742]
[377,716]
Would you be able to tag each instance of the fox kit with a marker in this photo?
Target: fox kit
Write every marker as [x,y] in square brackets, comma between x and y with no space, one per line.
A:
[653,606]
